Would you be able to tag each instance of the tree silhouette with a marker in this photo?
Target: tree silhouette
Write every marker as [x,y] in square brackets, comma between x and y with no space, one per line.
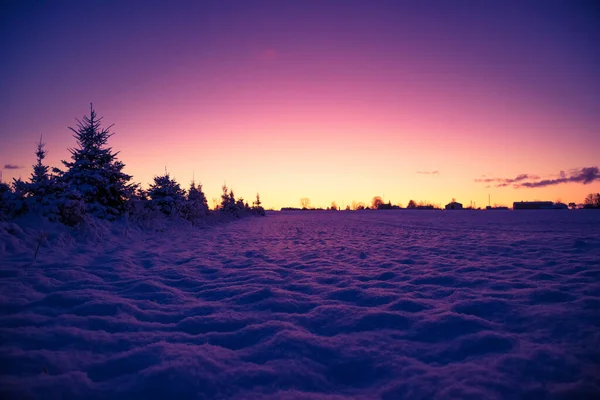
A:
[257,203]
[257,206]
[592,200]
[166,194]
[411,204]
[224,197]
[6,196]
[376,202]
[305,203]
[197,204]
[40,177]
[94,172]
[228,203]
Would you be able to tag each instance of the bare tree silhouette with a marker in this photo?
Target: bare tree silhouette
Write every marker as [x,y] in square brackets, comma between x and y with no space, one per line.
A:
[305,203]
[376,202]
[592,200]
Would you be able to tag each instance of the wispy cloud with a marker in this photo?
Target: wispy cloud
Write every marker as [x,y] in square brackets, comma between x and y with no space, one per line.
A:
[584,175]
[428,172]
[13,166]
[502,182]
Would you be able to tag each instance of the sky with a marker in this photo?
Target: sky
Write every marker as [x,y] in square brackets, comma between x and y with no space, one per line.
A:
[331,100]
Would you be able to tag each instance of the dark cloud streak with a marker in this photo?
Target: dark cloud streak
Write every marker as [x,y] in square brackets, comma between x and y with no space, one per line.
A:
[12,166]
[585,175]
[502,182]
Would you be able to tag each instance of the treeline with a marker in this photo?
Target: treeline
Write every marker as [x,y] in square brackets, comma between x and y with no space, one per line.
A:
[592,201]
[93,184]
[376,204]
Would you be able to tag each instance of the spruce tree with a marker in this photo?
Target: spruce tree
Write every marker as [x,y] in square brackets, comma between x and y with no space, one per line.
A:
[94,171]
[166,194]
[39,184]
[257,203]
[197,204]
[224,198]
[6,197]
[43,194]
[257,206]
[228,203]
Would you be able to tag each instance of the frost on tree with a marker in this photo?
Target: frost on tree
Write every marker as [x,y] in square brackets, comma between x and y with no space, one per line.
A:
[94,171]
[166,195]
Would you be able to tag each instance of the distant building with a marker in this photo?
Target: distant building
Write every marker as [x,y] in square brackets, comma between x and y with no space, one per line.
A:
[533,205]
[561,206]
[425,208]
[454,206]
[496,208]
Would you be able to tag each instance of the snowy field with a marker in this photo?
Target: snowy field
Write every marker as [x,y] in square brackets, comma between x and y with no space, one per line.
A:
[392,305]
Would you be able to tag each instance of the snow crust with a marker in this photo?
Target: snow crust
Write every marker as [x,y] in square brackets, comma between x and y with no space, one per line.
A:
[392,305]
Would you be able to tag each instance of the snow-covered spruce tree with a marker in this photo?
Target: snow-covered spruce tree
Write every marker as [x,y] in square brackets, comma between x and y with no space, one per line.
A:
[257,206]
[17,204]
[138,203]
[242,208]
[197,204]
[42,189]
[166,195]
[228,205]
[70,204]
[94,172]
[40,178]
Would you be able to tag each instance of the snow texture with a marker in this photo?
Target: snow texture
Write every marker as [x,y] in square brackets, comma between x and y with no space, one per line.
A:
[392,305]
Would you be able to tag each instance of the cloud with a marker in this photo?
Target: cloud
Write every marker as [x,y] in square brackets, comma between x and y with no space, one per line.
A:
[584,175]
[502,182]
[13,166]
[428,172]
